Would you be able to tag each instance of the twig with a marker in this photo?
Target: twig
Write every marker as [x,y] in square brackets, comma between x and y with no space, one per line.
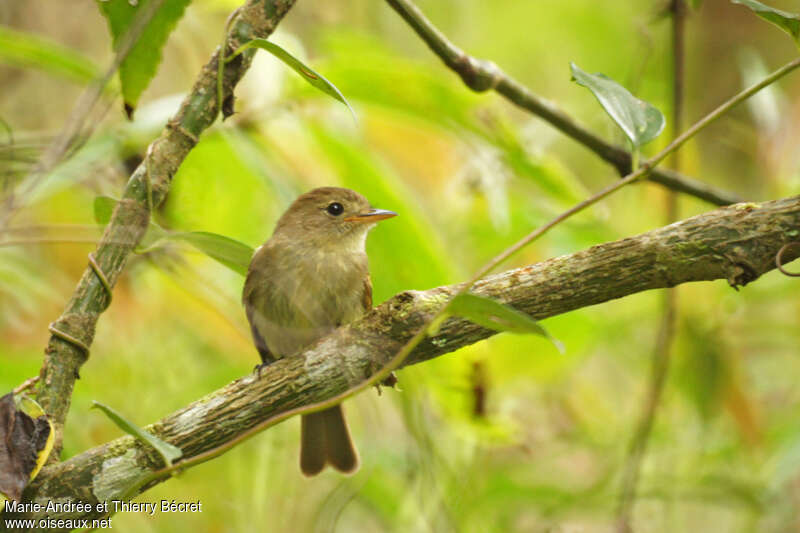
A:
[641,437]
[481,75]
[49,234]
[679,11]
[46,240]
[779,259]
[645,168]
[666,332]
[25,385]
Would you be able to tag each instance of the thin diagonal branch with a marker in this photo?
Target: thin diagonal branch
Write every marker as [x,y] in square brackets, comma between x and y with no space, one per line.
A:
[147,187]
[667,327]
[481,75]
[736,243]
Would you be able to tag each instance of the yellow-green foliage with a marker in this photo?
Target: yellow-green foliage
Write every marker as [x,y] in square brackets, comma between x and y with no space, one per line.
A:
[469,175]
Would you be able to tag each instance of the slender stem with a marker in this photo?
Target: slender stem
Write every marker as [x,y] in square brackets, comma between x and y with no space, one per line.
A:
[46,240]
[642,171]
[667,328]
[641,437]
[25,385]
[49,234]
[481,75]
[779,259]
[680,11]
[43,228]
[636,154]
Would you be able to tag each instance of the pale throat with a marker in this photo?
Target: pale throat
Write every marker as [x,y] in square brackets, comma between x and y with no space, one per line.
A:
[332,259]
[353,243]
[344,243]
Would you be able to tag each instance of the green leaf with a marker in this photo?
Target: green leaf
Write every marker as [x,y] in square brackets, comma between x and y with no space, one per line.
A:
[167,451]
[788,22]
[310,75]
[640,121]
[497,316]
[230,252]
[141,63]
[104,208]
[28,50]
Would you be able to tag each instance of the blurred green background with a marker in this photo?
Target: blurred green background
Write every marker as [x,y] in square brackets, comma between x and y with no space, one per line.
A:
[469,174]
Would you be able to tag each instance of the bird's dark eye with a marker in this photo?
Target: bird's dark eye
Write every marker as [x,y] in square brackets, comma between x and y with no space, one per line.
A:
[335,209]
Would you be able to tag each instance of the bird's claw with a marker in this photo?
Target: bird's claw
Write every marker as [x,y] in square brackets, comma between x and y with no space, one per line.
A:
[260,366]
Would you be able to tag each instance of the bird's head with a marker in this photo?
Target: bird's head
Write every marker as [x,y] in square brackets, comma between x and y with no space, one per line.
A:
[330,216]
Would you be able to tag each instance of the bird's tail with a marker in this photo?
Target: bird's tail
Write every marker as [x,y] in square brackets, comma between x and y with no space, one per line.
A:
[325,439]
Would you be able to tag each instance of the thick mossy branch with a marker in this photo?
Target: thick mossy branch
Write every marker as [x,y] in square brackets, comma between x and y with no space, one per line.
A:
[481,75]
[736,243]
[147,188]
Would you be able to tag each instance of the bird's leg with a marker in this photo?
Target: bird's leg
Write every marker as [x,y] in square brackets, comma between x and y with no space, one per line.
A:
[263,364]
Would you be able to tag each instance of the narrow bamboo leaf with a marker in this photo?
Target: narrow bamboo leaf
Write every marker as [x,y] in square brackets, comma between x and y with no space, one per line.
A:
[310,75]
[640,121]
[497,316]
[788,22]
[142,61]
[167,451]
[28,50]
[232,253]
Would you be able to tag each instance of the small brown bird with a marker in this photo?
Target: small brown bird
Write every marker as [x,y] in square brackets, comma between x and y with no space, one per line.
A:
[308,279]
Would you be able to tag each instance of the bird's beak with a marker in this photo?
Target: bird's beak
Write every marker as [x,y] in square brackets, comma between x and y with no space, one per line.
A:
[373,215]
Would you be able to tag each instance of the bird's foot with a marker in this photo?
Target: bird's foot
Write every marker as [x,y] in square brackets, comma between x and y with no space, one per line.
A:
[260,366]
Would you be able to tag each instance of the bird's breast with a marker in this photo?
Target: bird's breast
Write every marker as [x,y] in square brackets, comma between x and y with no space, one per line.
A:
[297,295]
[329,287]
